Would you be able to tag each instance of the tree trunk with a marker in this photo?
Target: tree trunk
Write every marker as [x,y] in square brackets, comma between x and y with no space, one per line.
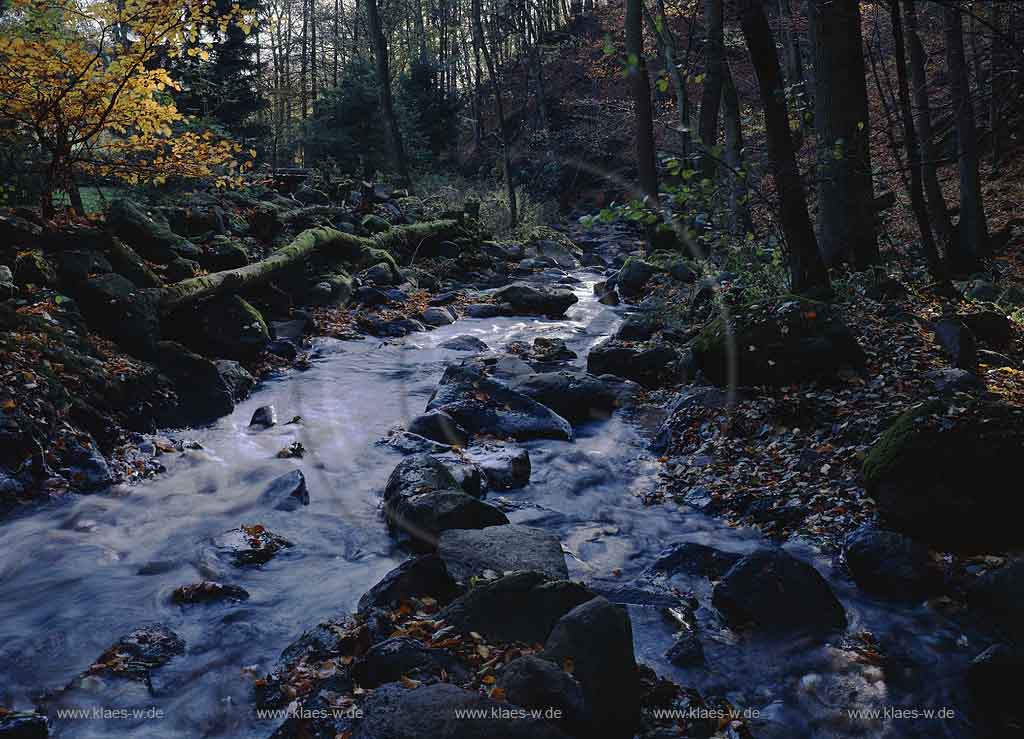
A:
[919,83]
[733,155]
[807,272]
[499,105]
[972,230]
[846,217]
[343,246]
[380,55]
[917,200]
[667,48]
[711,93]
[640,87]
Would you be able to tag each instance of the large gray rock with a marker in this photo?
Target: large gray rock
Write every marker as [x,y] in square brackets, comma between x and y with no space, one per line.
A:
[440,427]
[538,605]
[539,684]
[203,393]
[418,474]
[633,276]
[596,639]
[287,492]
[438,315]
[536,300]
[425,516]
[425,575]
[504,466]
[149,235]
[998,598]
[890,564]
[577,396]
[502,549]
[774,591]
[650,365]
[115,308]
[439,711]
[233,327]
[484,406]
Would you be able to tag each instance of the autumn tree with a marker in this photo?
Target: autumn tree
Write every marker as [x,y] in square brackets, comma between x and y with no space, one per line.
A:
[82,81]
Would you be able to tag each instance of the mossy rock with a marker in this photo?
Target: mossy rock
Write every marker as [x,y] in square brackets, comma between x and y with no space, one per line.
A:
[634,275]
[149,235]
[32,268]
[233,327]
[780,342]
[374,224]
[546,233]
[676,265]
[948,474]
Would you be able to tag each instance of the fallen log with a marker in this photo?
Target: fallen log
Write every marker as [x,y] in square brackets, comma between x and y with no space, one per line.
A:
[358,250]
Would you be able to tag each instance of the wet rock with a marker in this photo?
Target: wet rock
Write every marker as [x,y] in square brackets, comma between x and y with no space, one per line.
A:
[990,328]
[444,298]
[250,545]
[88,470]
[396,328]
[398,657]
[577,396]
[202,391]
[224,253]
[283,348]
[539,604]
[596,639]
[464,344]
[78,264]
[992,680]
[528,265]
[539,684]
[891,564]
[952,380]
[610,297]
[690,558]
[10,490]
[777,343]
[236,378]
[408,443]
[638,327]
[559,253]
[24,725]
[150,236]
[686,650]
[180,269]
[287,492]
[773,591]
[590,259]
[504,466]
[438,316]
[942,475]
[264,417]
[633,276]
[650,365]
[293,330]
[208,591]
[414,578]
[438,711]
[484,406]
[958,343]
[379,274]
[998,598]
[234,327]
[420,473]
[139,652]
[469,476]
[502,549]
[536,300]
[425,516]
[551,350]
[439,426]
[114,307]
[483,310]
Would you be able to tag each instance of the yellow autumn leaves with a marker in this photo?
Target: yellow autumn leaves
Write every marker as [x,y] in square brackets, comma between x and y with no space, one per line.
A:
[82,79]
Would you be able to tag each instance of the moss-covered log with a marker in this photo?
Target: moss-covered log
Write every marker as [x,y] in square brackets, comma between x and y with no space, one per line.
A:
[359,251]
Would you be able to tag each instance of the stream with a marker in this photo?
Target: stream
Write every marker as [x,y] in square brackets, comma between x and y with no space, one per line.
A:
[80,573]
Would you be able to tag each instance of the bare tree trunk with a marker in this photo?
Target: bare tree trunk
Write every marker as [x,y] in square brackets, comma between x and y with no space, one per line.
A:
[738,208]
[667,48]
[917,200]
[972,230]
[846,214]
[640,87]
[807,272]
[499,105]
[380,54]
[919,83]
[711,94]
[304,62]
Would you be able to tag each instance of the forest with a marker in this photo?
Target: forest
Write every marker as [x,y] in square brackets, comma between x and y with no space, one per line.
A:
[604,369]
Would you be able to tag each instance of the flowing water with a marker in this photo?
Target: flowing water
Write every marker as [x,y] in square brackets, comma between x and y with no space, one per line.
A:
[73,583]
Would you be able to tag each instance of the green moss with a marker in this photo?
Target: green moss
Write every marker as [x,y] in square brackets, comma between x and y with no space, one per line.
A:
[902,435]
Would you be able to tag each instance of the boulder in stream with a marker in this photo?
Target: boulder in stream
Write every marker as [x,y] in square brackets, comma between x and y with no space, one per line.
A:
[651,365]
[502,549]
[483,406]
[577,396]
[771,590]
[535,299]
[540,684]
[287,492]
[891,564]
[441,427]
[424,516]
[414,578]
